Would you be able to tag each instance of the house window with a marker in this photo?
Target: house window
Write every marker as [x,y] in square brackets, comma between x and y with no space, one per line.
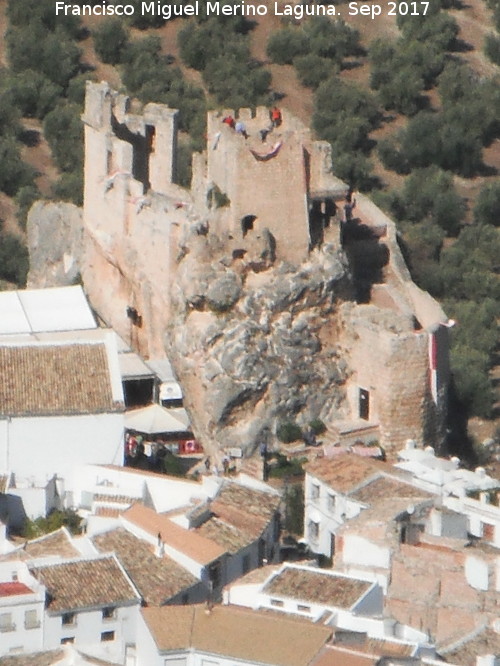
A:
[303,609]
[68,619]
[109,613]
[31,620]
[107,636]
[364,404]
[313,529]
[245,564]
[331,502]
[315,491]
[67,639]
[488,532]
[277,603]
[6,623]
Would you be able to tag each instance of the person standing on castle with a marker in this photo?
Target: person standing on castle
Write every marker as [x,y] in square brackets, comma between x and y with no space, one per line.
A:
[229,120]
[241,129]
[276,117]
[349,206]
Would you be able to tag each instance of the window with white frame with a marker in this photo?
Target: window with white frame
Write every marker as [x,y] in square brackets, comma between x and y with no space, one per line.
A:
[313,531]
[31,620]
[6,623]
[331,502]
[314,491]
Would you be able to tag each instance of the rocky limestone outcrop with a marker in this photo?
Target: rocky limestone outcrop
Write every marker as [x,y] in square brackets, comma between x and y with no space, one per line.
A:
[256,346]
[55,243]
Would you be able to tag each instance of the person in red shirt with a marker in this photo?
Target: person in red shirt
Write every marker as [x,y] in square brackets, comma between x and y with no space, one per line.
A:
[276,117]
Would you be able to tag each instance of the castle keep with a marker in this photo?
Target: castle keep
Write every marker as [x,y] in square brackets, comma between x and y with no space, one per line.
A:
[257,253]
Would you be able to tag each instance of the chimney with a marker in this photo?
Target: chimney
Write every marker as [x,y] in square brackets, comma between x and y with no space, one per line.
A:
[160,547]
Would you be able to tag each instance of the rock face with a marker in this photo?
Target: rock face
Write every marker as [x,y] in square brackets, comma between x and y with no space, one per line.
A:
[268,305]
[252,349]
[55,242]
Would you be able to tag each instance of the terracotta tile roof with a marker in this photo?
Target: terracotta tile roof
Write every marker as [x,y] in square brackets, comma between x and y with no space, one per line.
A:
[240,516]
[384,487]
[157,579]
[485,642]
[228,537]
[245,507]
[345,473]
[259,575]
[47,658]
[114,499]
[55,543]
[386,648]
[316,587]
[109,512]
[85,584]
[13,589]
[335,656]
[42,380]
[146,472]
[195,546]
[237,633]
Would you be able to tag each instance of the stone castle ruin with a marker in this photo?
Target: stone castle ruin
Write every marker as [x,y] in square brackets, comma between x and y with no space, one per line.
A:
[270,307]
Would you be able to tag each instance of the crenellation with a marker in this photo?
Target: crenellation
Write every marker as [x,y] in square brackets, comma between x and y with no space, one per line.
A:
[263,205]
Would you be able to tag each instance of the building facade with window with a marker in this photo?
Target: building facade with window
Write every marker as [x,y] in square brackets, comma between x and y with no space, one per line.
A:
[225,636]
[22,600]
[88,602]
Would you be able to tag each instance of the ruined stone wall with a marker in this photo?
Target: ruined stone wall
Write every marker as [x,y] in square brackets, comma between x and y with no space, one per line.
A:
[275,191]
[429,591]
[257,334]
[128,231]
[393,368]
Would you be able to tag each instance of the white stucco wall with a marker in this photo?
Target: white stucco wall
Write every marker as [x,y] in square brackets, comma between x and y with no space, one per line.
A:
[89,625]
[319,510]
[360,551]
[166,492]
[36,448]
[21,636]
[476,573]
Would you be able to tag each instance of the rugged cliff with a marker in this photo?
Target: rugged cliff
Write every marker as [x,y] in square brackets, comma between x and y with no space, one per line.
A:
[252,348]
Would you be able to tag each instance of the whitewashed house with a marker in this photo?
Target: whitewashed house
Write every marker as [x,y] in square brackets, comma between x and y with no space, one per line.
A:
[225,636]
[88,602]
[338,489]
[22,601]
[61,406]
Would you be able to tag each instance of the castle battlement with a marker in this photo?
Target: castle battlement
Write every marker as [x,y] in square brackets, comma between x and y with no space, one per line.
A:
[264,209]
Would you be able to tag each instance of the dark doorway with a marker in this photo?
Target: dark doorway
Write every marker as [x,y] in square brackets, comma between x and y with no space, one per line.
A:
[138,392]
[141,147]
[247,224]
[364,404]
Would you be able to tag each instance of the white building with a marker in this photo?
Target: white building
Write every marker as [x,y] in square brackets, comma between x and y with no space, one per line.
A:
[225,636]
[22,601]
[337,490]
[90,602]
[61,405]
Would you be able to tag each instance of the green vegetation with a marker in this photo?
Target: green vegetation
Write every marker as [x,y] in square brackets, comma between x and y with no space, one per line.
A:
[55,520]
[111,41]
[218,47]
[294,508]
[317,426]
[13,259]
[288,432]
[318,48]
